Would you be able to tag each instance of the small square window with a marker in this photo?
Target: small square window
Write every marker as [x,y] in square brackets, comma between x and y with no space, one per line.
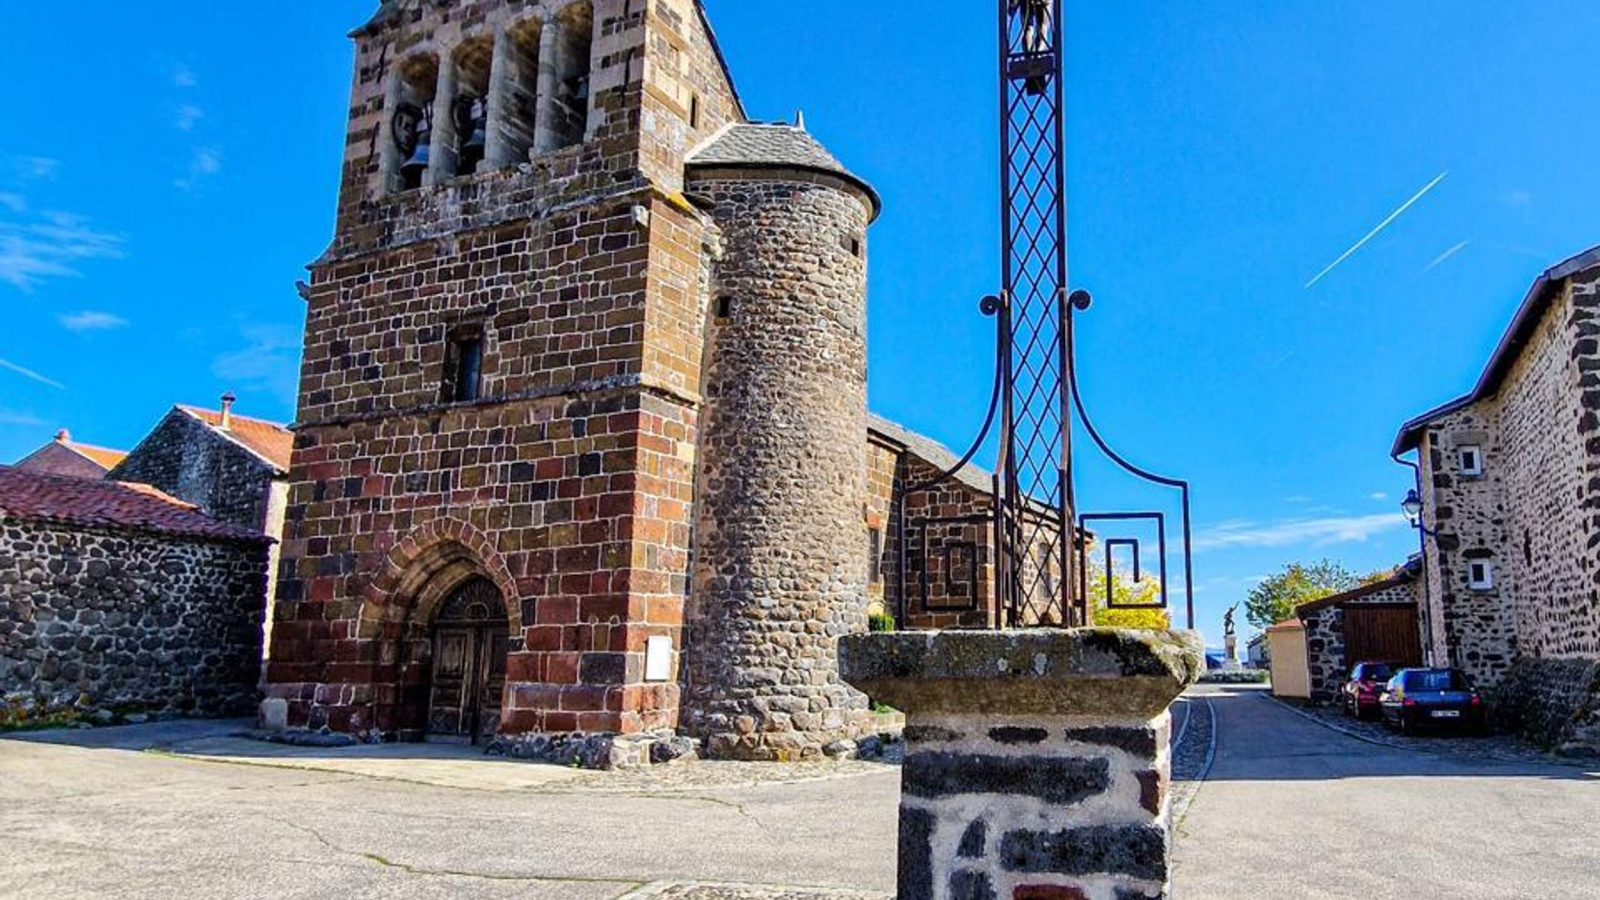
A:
[724,307]
[1471,462]
[1480,575]
[464,366]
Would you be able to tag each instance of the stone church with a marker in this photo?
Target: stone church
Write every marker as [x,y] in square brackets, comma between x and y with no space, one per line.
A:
[582,441]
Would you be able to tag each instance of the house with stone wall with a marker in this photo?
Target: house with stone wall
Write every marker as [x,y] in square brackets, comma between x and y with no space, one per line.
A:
[1509,481]
[920,496]
[232,468]
[1373,623]
[120,598]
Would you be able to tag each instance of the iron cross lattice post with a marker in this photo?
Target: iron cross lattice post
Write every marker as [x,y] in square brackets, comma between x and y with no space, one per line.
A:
[1034,507]
[1041,560]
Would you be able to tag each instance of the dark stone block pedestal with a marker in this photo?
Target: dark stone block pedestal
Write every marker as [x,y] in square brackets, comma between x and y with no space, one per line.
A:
[1037,761]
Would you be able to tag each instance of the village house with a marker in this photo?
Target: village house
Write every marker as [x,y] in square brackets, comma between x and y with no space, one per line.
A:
[65,456]
[1376,622]
[230,467]
[119,598]
[1508,488]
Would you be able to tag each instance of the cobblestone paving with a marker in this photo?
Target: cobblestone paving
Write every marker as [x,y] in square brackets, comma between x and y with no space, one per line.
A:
[1486,748]
[745,892]
[1192,728]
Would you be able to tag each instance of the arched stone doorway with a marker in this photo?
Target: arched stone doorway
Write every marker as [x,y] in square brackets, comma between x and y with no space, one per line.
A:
[470,637]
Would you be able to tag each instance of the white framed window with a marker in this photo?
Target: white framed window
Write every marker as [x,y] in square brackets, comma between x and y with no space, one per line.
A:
[1480,575]
[1471,461]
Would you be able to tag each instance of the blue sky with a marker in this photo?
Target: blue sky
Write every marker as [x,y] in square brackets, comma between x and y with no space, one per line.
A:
[162,188]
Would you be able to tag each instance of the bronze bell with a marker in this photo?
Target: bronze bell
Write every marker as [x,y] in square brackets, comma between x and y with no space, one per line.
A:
[472,120]
[413,135]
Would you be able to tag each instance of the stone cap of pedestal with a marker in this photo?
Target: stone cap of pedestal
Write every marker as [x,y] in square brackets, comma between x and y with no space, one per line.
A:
[1111,672]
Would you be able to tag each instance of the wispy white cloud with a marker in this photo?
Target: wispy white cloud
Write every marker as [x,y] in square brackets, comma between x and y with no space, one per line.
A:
[1378,230]
[1320,532]
[33,249]
[1379,496]
[30,374]
[205,163]
[1297,499]
[14,202]
[183,76]
[31,168]
[269,360]
[18,417]
[91,320]
[189,116]
[1445,256]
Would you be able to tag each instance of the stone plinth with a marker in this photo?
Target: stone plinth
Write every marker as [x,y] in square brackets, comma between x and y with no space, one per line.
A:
[1037,761]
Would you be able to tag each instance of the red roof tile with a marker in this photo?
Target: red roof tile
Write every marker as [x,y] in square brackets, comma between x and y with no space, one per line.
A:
[268,440]
[107,504]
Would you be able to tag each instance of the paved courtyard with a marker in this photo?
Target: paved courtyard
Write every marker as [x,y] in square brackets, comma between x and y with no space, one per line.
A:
[1290,809]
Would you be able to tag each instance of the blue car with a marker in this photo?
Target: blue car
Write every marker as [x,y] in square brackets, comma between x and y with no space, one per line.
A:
[1415,699]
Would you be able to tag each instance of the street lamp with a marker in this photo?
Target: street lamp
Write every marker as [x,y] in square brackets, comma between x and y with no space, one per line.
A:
[1412,507]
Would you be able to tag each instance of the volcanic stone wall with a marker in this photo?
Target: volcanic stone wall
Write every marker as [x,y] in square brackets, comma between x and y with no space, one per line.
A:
[1326,659]
[1035,808]
[185,458]
[779,572]
[128,621]
[1530,514]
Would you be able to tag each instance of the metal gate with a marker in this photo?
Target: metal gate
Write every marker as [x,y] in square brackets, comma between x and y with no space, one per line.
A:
[1382,632]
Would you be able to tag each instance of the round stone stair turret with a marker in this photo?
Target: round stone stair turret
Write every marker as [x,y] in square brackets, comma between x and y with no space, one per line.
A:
[780,561]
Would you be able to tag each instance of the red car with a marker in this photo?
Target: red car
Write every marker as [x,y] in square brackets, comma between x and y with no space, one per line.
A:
[1359,696]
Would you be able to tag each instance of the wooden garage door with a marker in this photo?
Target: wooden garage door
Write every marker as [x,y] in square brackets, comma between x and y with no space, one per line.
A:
[1382,633]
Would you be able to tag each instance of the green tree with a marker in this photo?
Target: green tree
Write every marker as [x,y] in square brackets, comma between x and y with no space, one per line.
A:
[1147,590]
[1273,600]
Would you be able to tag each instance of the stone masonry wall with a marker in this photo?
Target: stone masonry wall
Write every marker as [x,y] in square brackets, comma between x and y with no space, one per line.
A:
[185,458]
[779,572]
[1476,627]
[1035,808]
[1326,659]
[1531,514]
[129,620]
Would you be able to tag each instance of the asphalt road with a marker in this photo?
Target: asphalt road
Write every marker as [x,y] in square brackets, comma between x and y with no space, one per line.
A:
[97,823]
[1292,810]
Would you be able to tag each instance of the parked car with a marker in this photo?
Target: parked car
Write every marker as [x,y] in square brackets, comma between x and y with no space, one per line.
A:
[1359,696]
[1418,698]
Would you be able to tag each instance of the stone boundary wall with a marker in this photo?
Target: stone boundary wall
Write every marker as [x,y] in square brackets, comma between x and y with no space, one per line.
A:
[128,621]
[1553,702]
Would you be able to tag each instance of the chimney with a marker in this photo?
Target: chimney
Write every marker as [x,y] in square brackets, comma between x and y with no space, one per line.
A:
[227,410]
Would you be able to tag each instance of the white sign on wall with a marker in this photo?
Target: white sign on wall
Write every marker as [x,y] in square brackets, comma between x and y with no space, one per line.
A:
[658,659]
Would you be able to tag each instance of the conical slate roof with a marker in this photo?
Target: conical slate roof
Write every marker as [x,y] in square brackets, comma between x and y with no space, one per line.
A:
[758,145]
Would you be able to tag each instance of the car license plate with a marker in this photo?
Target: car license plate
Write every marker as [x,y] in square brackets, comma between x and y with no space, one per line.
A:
[1447,714]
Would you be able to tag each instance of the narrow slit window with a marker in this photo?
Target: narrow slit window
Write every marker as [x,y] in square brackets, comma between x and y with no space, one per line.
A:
[875,555]
[464,368]
[724,307]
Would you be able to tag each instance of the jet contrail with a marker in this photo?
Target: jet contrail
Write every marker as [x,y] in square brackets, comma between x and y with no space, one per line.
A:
[1440,260]
[1379,230]
[29,373]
